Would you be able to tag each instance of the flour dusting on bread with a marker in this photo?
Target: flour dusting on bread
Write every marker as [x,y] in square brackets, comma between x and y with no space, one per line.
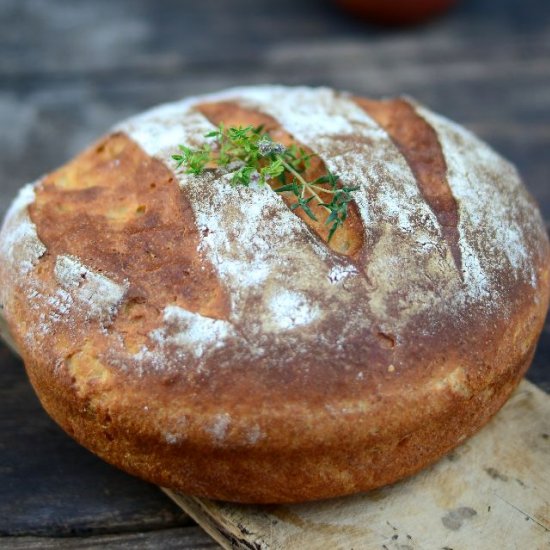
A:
[20,249]
[283,282]
[260,248]
[289,310]
[251,237]
[97,295]
[219,427]
[493,203]
[191,331]
[362,153]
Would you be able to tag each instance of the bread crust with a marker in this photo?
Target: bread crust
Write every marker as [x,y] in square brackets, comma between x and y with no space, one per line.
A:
[182,366]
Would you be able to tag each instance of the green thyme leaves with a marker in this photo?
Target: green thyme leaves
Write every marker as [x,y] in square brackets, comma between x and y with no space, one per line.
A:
[254,158]
[194,160]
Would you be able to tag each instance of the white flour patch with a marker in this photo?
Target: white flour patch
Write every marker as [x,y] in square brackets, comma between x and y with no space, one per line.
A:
[20,251]
[219,427]
[61,301]
[255,434]
[192,332]
[340,272]
[160,130]
[98,296]
[171,438]
[242,251]
[20,247]
[290,310]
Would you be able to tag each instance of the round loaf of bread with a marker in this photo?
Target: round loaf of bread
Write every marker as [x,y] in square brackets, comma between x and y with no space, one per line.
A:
[211,339]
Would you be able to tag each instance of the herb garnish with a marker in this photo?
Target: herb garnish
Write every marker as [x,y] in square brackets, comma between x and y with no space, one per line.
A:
[255,158]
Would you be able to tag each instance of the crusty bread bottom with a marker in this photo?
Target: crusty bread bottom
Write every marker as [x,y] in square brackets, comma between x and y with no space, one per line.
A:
[251,477]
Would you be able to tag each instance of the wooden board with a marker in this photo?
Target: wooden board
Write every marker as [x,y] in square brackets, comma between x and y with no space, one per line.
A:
[493,492]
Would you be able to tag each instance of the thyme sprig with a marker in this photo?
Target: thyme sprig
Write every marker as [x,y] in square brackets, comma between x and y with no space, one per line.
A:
[255,159]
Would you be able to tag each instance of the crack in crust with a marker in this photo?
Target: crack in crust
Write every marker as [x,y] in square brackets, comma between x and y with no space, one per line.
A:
[348,239]
[418,143]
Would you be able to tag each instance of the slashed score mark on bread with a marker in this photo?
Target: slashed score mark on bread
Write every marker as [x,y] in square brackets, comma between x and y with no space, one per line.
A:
[341,229]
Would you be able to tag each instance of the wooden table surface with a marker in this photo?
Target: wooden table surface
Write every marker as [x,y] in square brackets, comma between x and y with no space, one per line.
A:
[69,69]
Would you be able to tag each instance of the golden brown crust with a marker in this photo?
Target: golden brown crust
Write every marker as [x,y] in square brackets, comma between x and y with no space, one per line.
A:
[121,212]
[319,469]
[140,346]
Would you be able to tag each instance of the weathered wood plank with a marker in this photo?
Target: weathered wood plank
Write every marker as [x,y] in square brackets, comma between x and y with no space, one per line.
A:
[63,37]
[168,539]
[491,492]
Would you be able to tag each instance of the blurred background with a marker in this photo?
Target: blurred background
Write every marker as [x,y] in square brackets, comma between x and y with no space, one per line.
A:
[69,69]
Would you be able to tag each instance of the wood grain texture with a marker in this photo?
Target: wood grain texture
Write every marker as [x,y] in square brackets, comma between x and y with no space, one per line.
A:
[69,70]
[167,539]
[491,492]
